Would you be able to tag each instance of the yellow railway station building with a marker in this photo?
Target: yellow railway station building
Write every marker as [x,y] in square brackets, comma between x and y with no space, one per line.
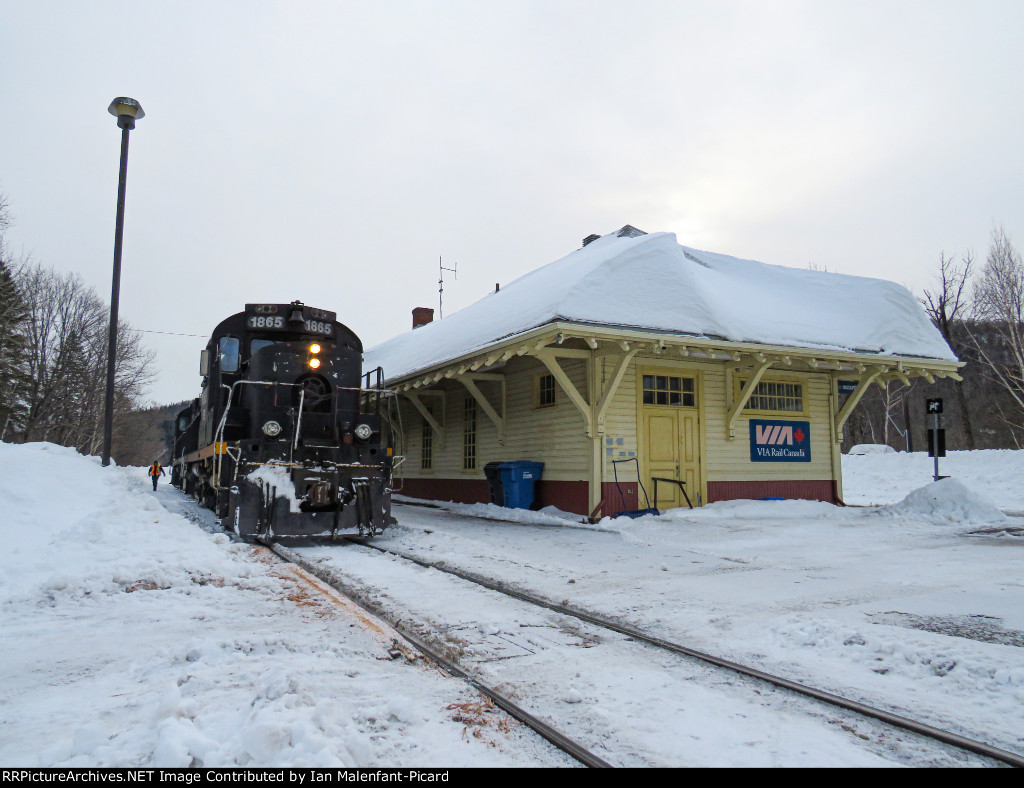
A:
[638,358]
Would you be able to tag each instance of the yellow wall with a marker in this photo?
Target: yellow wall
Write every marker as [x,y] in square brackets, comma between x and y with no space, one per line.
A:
[721,459]
[556,435]
[553,435]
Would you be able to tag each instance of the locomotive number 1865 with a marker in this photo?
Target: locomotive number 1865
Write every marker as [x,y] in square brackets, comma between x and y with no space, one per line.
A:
[268,321]
[324,327]
[318,327]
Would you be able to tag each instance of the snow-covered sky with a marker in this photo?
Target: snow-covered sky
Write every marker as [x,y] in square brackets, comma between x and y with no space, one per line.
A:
[333,151]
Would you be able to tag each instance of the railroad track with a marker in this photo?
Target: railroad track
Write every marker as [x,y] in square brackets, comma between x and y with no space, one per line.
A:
[551,734]
[898,721]
[564,742]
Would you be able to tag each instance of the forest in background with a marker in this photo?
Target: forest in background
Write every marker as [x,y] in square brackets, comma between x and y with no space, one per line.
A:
[53,364]
[979,309]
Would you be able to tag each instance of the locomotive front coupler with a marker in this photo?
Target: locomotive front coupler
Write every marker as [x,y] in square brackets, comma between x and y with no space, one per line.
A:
[327,486]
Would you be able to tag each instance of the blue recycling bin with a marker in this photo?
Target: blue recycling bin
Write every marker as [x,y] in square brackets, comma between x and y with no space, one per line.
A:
[517,481]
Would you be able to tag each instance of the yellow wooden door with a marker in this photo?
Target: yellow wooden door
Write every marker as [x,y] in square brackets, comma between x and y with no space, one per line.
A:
[661,433]
[689,453]
[671,438]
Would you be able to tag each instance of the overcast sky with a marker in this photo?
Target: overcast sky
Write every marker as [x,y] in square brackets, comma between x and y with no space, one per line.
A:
[333,151]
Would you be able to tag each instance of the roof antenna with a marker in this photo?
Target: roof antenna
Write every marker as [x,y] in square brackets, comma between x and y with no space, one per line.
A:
[440,284]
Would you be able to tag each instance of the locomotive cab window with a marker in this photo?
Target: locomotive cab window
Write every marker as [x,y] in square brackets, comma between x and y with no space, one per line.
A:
[228,356]
[258,344]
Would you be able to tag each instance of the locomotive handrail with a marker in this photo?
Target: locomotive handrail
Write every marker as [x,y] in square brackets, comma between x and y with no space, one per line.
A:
[218,435]
[298,424]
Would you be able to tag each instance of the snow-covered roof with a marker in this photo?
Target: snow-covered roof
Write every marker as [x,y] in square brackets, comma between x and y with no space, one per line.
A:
[650,282]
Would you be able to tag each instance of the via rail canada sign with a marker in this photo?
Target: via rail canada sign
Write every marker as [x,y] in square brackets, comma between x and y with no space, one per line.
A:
[780,441]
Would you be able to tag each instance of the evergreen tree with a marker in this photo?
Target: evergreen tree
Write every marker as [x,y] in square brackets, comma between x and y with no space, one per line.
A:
[13,339]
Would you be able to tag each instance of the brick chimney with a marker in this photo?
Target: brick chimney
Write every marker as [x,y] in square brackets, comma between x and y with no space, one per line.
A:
[422,315]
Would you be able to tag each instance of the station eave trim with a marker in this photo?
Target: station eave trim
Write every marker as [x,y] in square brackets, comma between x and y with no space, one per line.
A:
[554,336]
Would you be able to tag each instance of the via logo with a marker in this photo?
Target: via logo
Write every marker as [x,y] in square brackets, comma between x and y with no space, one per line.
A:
[777,435]
[780,441]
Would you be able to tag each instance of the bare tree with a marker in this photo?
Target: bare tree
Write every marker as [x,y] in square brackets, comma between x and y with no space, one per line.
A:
[893,395]
[67,332]
[948,306]
[999,302]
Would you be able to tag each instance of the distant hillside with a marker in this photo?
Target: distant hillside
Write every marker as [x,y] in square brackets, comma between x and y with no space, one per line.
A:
[146,435]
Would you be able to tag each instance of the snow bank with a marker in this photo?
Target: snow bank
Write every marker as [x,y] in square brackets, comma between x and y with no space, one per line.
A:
[950,500]
[759,510]
[995,474]
[134,638]
[871,448]
[946,501]
[549,515]
[75,530]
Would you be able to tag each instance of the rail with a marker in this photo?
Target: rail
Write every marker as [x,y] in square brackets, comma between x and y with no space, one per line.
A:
[556,737]
[864,709]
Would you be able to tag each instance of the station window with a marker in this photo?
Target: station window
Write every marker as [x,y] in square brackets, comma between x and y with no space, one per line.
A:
[776,397]
[545,391]
[469,436]
[670,390]
[427,447]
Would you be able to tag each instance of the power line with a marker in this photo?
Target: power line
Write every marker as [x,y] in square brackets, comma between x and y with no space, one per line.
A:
[173,333]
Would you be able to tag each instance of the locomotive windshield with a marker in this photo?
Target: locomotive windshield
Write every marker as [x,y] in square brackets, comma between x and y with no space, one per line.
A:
[258,344]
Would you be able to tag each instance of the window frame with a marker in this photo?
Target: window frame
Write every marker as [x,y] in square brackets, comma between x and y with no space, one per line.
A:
[222,342]
[426,447]
[741,381]
[469,435]
[682,389]
[539,389]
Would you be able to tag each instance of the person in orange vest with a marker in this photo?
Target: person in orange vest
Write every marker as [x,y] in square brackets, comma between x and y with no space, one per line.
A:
[155,472]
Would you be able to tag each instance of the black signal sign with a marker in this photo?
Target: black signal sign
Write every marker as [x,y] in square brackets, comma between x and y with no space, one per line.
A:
[933,406]
[936,443]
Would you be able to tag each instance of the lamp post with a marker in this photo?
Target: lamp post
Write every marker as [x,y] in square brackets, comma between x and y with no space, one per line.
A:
[127,111]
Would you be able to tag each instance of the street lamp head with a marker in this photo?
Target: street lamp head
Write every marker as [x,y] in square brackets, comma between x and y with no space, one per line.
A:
[126,110]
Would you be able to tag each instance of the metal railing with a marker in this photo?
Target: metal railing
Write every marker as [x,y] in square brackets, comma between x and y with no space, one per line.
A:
[218,437]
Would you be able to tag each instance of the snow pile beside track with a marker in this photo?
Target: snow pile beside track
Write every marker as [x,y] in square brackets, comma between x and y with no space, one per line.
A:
[886,478]
[759,510]
[549,515]
[946,501]
[134,638]
[74,531]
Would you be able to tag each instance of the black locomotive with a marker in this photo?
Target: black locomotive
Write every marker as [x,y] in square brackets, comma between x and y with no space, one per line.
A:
[286,439]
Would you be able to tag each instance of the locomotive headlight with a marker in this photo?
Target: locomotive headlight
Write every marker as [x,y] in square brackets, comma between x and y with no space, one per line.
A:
[314,363]
[315,348]
[363,431]
[271,429]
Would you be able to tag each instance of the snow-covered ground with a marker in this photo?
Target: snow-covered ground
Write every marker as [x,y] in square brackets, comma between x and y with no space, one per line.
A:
[134,637]
[996,474]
